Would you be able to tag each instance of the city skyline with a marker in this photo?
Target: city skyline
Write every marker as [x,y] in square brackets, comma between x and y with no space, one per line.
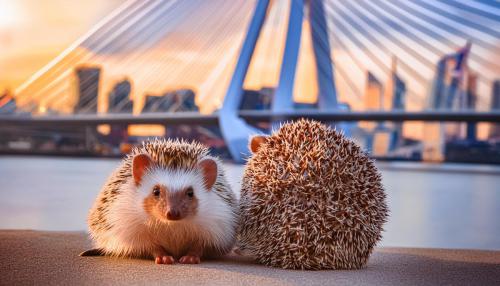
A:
[264,69]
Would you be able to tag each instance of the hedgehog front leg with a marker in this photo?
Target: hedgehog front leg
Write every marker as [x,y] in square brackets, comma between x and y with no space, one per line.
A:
[193,255]
[162,256]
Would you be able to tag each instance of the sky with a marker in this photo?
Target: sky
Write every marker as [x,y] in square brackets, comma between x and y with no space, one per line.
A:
[33,32]
[194,44]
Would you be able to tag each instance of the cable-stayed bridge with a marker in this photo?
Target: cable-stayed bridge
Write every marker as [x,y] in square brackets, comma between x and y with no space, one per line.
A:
[328,57]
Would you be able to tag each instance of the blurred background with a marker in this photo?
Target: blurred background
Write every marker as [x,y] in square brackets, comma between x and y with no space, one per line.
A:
[415,83]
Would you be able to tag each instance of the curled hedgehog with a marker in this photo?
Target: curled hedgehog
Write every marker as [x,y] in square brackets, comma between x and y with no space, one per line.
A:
[310,199]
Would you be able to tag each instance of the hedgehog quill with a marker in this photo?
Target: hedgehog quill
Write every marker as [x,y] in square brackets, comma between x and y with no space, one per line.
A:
[169,201]
[310,199]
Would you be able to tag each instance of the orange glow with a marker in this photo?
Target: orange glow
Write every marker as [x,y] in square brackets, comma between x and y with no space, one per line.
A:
[32,33]
[306,82]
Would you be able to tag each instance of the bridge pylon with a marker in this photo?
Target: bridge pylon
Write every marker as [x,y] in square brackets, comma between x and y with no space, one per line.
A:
[235,130]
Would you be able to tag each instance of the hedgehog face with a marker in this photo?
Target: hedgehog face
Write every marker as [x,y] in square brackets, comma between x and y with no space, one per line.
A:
[170,205]
[172,194]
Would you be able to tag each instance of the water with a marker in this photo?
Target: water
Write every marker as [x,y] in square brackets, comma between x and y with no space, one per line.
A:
[444,206]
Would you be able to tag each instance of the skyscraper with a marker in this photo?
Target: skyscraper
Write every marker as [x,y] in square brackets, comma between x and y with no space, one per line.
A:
[443,92]
[394,100]
[171,101]
[119,98]
[373,93]
[185,100]
[437,95]
[447,93]
[457,74]
[256,100]
[433,143]
[374,101]
[87,83]
[471,98]
[495,105]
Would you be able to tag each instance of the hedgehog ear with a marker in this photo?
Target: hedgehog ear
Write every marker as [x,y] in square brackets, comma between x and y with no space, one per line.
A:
[256,141]
[209,170]
[140,163]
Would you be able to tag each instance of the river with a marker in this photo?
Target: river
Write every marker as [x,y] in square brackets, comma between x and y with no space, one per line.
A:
[443,206]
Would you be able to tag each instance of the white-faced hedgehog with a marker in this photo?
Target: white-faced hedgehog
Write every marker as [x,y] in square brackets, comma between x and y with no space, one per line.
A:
[310,199]
[169,200]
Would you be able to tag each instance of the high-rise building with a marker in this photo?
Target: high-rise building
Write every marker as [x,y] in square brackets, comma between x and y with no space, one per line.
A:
[447,93]
[447,82]
[495,105]
[87,83]
[380,141]
[119,102]
[373,101]
[185,100]
[373,93]
[457,74]
[470,102]
[257,99]
[155,103]
[172,101]
[437,95]
[433,143]
[394,99]
[119,98]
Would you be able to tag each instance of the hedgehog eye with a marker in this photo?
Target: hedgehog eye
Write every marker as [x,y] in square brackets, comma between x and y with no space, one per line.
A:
[190,192]
[156,191]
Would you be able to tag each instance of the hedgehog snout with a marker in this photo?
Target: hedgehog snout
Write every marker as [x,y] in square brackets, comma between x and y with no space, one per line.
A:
[173,214]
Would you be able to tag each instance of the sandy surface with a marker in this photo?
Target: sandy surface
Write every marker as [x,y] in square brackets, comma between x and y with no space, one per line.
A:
[51,258]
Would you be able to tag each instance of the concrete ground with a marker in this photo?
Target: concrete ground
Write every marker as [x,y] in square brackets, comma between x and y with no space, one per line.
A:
[51,258]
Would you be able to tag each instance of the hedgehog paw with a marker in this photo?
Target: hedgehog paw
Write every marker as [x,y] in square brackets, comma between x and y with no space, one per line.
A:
[166,259]
[190,259]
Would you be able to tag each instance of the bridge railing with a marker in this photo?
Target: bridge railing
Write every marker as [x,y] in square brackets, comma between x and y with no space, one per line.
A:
[446,136]
[251,116]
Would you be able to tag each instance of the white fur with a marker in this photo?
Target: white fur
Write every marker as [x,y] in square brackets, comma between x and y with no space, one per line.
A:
[134,232]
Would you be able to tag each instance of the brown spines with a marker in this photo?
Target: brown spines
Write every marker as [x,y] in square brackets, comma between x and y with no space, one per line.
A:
[175,154]
[311,199]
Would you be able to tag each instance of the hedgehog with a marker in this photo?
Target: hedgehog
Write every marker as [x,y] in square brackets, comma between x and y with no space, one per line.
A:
[169,201]
[311,199]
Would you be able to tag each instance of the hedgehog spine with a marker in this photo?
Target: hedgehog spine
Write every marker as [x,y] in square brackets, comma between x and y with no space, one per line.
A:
[120,225]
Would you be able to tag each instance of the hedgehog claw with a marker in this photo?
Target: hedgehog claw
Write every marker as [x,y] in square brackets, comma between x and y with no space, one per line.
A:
[166,259]
[190,259]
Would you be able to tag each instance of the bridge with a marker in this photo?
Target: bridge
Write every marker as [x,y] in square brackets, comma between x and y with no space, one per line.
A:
[158,61]
[376,69]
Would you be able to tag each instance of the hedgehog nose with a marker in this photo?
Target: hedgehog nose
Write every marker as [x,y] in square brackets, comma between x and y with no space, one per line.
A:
[173,215]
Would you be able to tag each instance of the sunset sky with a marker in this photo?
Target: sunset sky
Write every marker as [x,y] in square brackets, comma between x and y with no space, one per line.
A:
[203,50]
[33,32]
[194,44]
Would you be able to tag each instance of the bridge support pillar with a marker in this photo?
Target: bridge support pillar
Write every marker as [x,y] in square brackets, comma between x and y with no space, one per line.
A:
[327,97]
[283,97]
[234,129]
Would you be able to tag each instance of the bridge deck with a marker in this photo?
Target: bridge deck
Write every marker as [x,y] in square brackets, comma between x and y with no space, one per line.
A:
[250,116]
